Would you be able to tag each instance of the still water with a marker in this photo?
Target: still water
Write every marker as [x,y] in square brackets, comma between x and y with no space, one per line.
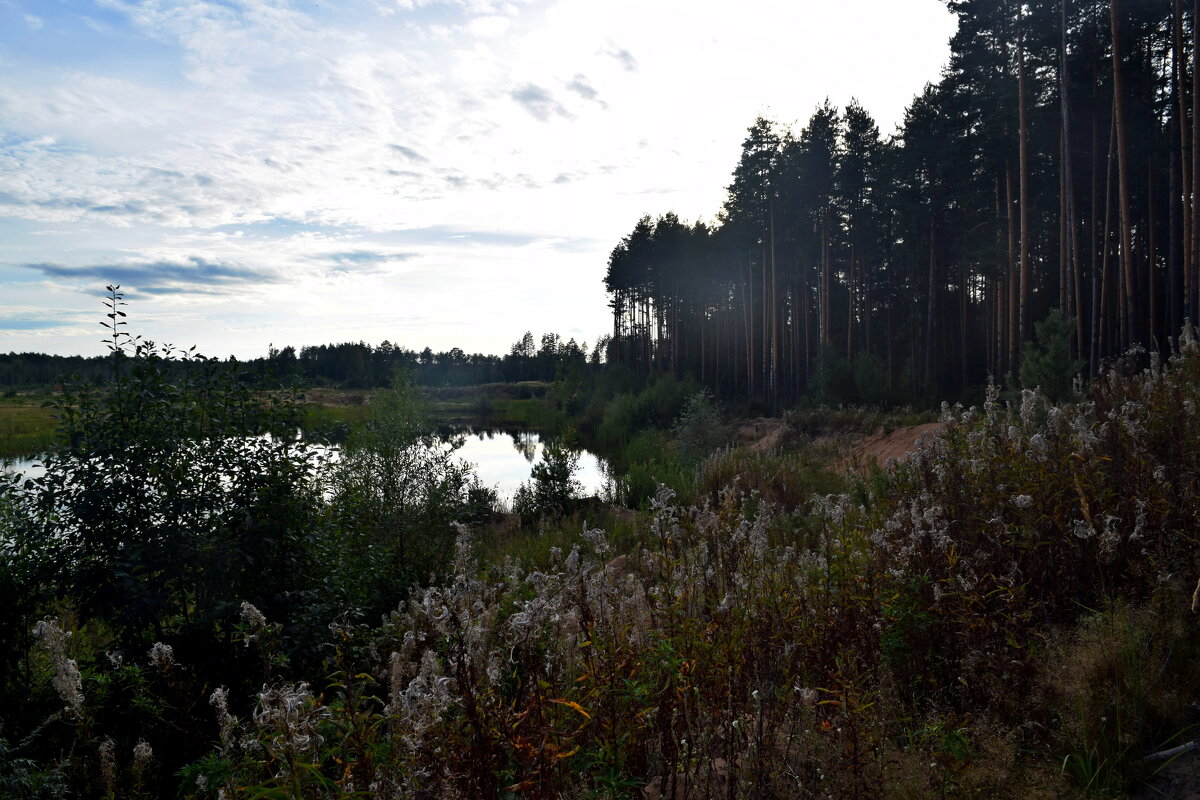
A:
[502,460]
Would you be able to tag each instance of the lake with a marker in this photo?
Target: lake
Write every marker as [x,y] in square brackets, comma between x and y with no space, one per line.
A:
[502,459]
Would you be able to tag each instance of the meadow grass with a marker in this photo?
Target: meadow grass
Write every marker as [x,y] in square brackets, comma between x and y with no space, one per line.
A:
[27,426]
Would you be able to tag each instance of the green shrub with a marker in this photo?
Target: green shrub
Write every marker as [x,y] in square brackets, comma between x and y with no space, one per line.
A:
[1046,362]
[698,430]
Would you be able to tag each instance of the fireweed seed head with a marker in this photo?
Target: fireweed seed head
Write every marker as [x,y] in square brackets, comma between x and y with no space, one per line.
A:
[219,700]
[1082,530]
[162,655]
[596,538]
[1029,399]
[289,715]
[252,616]
[1038,445]
[108,762]
[67,681]
[143,754]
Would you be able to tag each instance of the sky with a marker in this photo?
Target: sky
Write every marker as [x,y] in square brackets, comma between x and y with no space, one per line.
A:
[443,173]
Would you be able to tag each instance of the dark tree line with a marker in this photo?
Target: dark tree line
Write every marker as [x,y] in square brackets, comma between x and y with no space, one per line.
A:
[356,365]
[359,365]
[1053,166]
[41,369]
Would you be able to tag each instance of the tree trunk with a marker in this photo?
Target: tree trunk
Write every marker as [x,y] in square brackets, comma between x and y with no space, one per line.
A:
[1183,189]
[1126,311]
[1173,306]
[1151,324]
[1105,321]
[1192,265]
[1023,121]
[931,307]
[1073,272]
[1013,279]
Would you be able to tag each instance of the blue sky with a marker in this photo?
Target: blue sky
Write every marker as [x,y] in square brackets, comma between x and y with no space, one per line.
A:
[448,173]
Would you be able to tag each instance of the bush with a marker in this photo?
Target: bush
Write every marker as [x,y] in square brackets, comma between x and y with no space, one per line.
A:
[395,495]
[698,429]
[1046,362]
[178,494]
[552,490]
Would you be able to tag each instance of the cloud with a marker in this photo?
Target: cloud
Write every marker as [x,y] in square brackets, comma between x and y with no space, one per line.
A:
[623,57]
[194,273]
[34,23]
[367,257]
[539,102]
[361,263]
[28,324]
[488,26]
[582,87]
[409,153]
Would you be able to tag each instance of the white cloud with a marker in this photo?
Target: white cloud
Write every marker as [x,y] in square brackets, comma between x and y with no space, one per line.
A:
[543,120]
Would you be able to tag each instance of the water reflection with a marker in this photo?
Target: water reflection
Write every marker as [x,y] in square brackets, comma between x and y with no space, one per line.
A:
[503,459]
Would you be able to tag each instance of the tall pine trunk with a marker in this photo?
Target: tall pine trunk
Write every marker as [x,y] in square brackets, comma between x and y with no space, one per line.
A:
[1023,121]
[1126,311]
[1177,297]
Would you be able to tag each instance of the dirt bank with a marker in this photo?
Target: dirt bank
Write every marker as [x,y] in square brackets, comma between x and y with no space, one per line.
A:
[851,451]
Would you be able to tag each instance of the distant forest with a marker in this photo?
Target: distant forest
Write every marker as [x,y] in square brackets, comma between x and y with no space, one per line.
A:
[1056,165]
[354,365]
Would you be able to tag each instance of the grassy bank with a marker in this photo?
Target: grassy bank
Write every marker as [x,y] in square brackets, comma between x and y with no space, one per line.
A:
[27,426]
[334,412]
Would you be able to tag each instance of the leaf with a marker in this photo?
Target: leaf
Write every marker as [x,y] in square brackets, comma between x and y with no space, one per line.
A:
[571,704]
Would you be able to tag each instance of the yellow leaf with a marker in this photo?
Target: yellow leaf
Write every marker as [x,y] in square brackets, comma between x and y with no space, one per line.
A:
[572,704]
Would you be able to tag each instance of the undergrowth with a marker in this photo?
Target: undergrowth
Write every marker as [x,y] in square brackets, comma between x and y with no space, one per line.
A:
[1008,614]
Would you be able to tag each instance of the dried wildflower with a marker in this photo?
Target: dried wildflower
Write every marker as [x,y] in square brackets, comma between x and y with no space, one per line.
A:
[108,763]
[1110,537]
[252,616]
[288,714]
[162,655]
[1029,399]
[1022,501]
[597,540]
[1160,476]
[423,701]
[67,681]
[395,682]
[143,754]
[220,701]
